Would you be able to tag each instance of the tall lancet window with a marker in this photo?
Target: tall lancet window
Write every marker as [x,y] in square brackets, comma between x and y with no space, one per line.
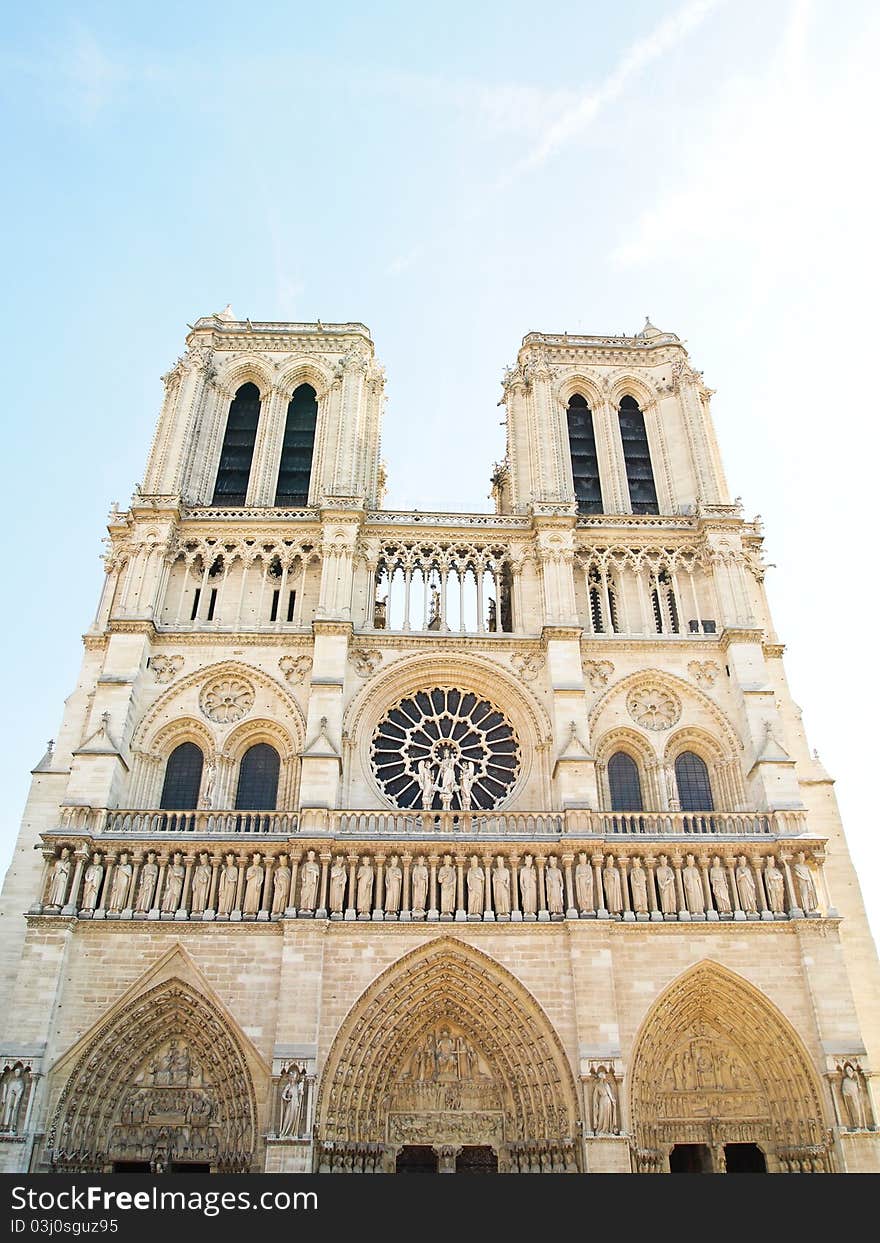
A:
[183,778]
[624,783]
[237,453]
[295,471]
[584,460]
[258,779]
[637,455]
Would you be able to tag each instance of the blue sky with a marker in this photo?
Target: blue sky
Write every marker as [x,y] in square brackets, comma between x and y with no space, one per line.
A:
[454,176]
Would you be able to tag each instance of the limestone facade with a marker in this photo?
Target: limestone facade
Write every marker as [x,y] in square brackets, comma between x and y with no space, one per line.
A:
[537,873]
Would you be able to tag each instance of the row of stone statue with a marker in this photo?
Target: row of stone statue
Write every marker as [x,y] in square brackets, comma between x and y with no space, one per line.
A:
[359,886]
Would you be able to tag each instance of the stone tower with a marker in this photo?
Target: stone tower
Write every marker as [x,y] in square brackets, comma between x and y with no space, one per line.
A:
[377,840]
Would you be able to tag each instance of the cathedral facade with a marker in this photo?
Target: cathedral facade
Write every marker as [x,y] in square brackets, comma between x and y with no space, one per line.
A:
[380,841]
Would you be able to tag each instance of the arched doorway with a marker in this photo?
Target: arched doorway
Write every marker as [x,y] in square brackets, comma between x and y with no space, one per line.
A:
[446,1051]
[721,1081]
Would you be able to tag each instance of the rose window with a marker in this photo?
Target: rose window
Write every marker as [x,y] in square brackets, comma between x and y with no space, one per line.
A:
[227,699]
[445,749]
[653,707]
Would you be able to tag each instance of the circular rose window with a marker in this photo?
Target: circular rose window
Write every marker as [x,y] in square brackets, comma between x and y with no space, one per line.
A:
[445,750]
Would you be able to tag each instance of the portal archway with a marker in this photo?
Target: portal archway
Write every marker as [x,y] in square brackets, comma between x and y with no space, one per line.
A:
[447,1050]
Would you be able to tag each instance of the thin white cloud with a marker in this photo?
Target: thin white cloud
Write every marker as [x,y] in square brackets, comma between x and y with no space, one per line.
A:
[93,75]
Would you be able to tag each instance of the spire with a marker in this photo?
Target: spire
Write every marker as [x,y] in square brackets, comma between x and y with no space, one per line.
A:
[45,764]
[649,329]
[226,314]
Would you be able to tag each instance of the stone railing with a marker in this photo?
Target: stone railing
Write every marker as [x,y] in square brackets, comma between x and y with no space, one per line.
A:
[147,822]
[94,878]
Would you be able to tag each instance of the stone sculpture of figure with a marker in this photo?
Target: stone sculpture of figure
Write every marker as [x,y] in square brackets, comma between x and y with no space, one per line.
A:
[476,887]
[745,884]
[365,887]
[310,873]
[120,885]
[201,884]
[426,784]
[228,886]
[10,1101]
[280,886]
[393,885]
[147,883]
[337,886]
[174,875]
[806,888]
[583,883]
[720,890]
[604,1105]
[528,887]
[774,883]
[446,783]
[852,1098]
[92,883]
[419,886]
[501,887]
[291,1099]
[60,878]
[666,887]
[638,883]
[446,878]
[613,891]
[554,881]
[694,897]
[207,799]
[466,781]
[253,889]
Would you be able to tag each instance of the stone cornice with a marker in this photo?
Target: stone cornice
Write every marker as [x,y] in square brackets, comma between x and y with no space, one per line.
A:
[135,625]
[741,634]
[331,625]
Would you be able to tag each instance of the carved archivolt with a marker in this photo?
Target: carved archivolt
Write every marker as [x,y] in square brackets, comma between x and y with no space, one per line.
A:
[691,700]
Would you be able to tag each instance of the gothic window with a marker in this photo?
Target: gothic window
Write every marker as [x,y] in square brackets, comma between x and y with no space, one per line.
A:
[623,780]
[637,455]
[603,601]
[666,619]
[258,779]
[692,778]
[584,460]
[237,453]
[183,777]
[295,470]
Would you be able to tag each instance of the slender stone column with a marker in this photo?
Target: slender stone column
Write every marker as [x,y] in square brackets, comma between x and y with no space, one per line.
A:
[433,911]
[598,887]
[488,913]
[683,913]
[379,895]
[266,903]
[653,905]
[515,912]
[405,909]
[543,913]
[183,905]
[71,906]
[570,908]
[460,906]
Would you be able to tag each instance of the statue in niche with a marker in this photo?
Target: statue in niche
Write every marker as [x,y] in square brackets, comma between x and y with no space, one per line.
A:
[446,878]
[467,780]
[147,883]
[228,886]
[11,1094]
[60,879]
[291,1100]
[501,887]
[434,618]
[666,887]
[718,883]
[638,883]
[851,1096]
[365,886]
[446,1054]
[554,883]
[426,784]
[337,886]
[476,887]
[201,884]
[419,886]
[745,884]
[308,894]
[692,881]
[174,875]
[528,887]
[207,799]
[583,883]
[446,784]
[613,891]
[806,888]
[253,889]
[280,886]
[120,885]
[393,885]
[774,883]
[92,883]
[604,1105]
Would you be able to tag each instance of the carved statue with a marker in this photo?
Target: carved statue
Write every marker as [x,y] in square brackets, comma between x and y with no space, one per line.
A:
[308,894]
[419,886]
[604,1105]
[476,885]
[613,891]
[774,882]
[207,799]
[638,883]
[291,1099]
[147,883]
[720,891]
[583,883]
[92,883]
[806,888]
[365,887]
[11,1095]
[228,886]
[692,882]
[446,784]
[201,884]
[60,879]
[745,884]
[852,1098]
[393,885]
[446,878]
[280,886]
[501,887]
[528,887]
[253,889]
[666,887]
[121,882]
[174,875]
[337,885]
[466,780]
[426,784]
[554,882]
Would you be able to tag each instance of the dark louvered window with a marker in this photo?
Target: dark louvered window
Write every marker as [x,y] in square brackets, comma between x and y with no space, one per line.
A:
[183,777]
[584,460]
[623,778]
[295,471]
[692,778]
[637,455]
[258,779]
[237,453]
